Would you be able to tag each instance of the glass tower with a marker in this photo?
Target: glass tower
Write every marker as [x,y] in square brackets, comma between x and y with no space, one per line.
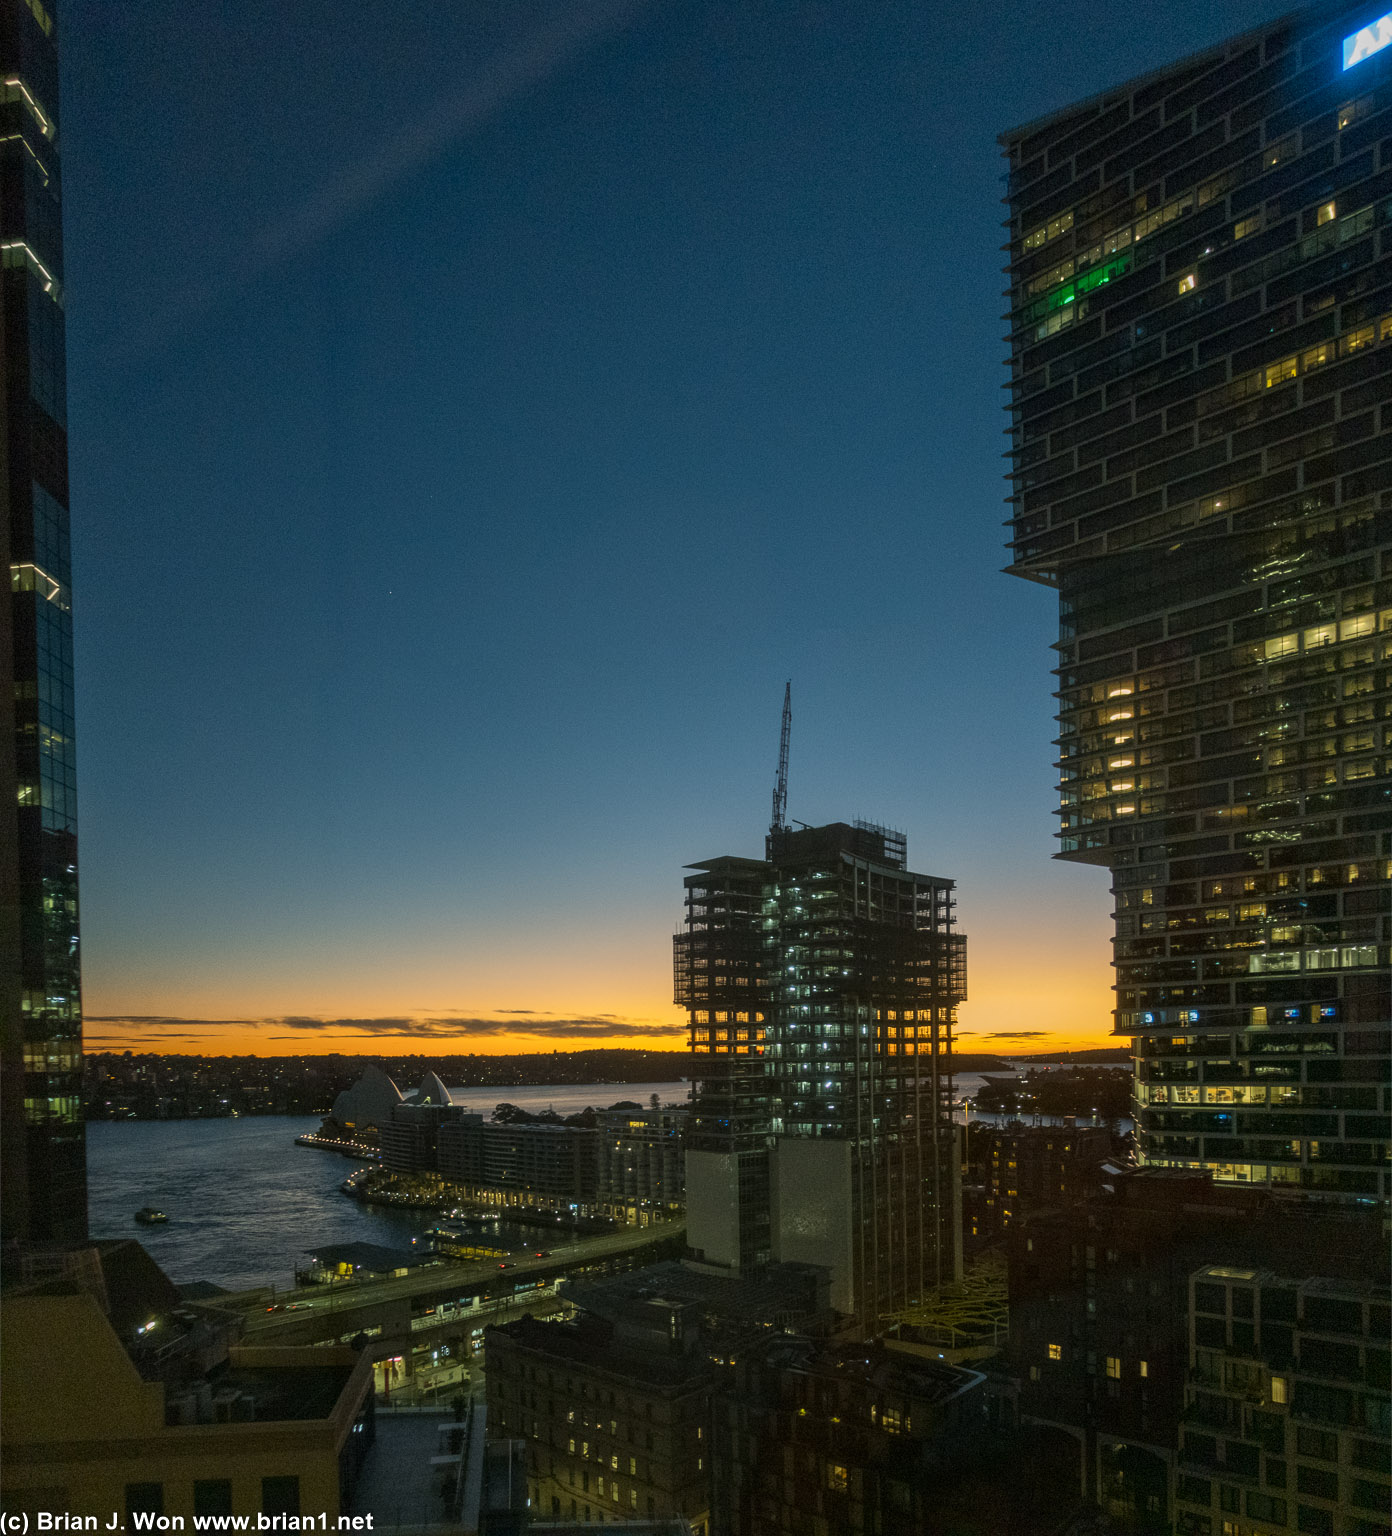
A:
[822,984]
[44,1177]
[1200,290]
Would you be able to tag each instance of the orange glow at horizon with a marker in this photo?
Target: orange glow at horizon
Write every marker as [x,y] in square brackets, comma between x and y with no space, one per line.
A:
[1021,1001]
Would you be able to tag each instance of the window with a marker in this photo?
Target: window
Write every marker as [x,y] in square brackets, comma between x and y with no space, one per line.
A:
[1188,282]
[837,1478]
[1056,1351]
[280,1495]
[1316,1481]
[1313,1522]
[144,1498]
[1324,214]
[212,1496]
[1145,1367]
[1114,1367]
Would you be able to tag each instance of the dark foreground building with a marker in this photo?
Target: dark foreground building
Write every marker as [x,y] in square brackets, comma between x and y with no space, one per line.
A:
[812,1439]
[1201,347]
[44,1177]
[821,985]
[1099,1297]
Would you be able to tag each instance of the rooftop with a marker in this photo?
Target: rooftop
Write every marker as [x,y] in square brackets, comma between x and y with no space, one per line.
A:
[1176,67]
[589,1341]
[369,1256]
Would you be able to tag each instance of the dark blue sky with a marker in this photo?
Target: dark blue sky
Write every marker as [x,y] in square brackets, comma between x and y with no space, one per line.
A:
[476,413]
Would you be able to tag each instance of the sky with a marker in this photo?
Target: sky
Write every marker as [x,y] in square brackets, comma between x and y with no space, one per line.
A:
[477,412]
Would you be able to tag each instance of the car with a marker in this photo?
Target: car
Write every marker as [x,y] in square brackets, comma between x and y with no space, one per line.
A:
[502,1266]
[543,1253]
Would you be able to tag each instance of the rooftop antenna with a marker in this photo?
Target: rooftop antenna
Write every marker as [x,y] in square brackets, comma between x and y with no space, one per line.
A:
[780,788]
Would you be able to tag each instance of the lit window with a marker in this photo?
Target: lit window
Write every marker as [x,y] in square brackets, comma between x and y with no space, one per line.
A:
[1278,1389]
[1245,227]
[837,1478]
[1324,214]
[1114,1367]
[1190,280]
[1145,1367]
[1056,1351]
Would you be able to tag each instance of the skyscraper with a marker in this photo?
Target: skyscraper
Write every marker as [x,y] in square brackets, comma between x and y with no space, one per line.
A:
[44,1175]
[1201,344]
[822,984]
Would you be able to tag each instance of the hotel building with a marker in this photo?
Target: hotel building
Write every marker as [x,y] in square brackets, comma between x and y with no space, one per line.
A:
[1200,293]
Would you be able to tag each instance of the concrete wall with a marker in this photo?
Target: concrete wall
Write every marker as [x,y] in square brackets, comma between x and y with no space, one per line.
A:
[712,1206]
[811,1209]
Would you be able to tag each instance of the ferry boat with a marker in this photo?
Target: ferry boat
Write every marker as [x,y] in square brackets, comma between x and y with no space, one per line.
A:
[148,1216]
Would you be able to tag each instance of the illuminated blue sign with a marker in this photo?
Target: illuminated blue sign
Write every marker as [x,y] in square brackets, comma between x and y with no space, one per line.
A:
[1368,40]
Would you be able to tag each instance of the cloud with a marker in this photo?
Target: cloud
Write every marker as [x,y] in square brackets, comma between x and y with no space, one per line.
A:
[522,1022]
[153,1020]
[1010,1034]
[594,1026]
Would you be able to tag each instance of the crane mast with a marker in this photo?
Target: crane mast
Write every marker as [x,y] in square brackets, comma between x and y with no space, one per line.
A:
[780,788]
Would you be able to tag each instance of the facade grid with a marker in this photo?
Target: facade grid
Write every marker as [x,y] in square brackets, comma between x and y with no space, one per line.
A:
[1200,290]
[44,1179]
[821,985]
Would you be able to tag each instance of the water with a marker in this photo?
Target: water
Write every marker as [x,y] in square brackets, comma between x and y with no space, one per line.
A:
[244,1202]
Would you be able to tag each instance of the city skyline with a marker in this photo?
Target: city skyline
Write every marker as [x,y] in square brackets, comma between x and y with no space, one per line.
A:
[646,335]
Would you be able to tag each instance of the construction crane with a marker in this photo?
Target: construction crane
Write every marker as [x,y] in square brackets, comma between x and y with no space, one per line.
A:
[780,788]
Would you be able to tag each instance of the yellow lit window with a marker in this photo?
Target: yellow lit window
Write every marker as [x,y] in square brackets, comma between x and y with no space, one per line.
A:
[1114,1367]
[1278,1389]
[837,1477]
[1056,1351]
[1245,227]
[1188,282]
[1145,1367]
[1324,213]
[1278,373]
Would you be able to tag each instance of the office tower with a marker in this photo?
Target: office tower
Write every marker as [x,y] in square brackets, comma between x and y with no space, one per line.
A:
[1201,341]
[718,961]
[821,985]
[44,1176]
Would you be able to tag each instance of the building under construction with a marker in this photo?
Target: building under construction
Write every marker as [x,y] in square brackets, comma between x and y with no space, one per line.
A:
[821,984]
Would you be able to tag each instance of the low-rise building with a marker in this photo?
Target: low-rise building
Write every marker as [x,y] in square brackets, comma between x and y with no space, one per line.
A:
[1099,1297]
[538,1165]
[164,1416]
[1015,1168]
[613,1432]
[812,1438]
[641,1174]
[1287,1422]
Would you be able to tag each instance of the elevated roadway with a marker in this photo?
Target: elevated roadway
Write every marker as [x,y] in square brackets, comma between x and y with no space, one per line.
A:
[439,1295]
